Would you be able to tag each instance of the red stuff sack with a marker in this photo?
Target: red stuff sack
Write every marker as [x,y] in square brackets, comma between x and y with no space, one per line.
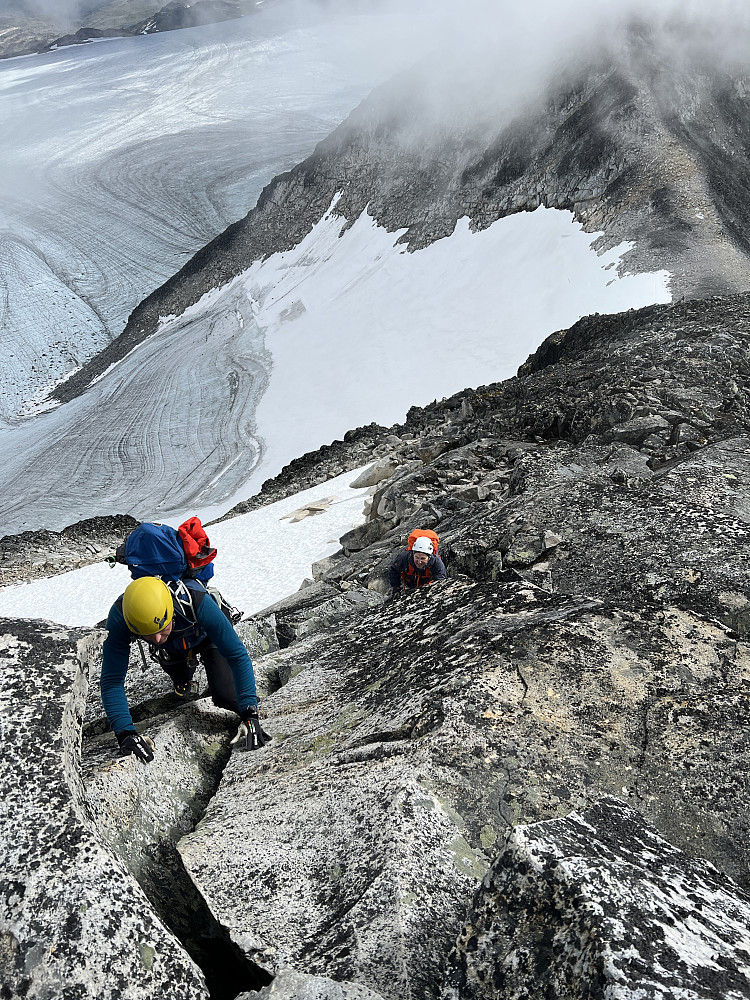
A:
[198,551]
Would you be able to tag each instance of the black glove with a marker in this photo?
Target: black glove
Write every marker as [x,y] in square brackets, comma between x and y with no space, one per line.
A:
[141,746]
[251,731]
[395,594]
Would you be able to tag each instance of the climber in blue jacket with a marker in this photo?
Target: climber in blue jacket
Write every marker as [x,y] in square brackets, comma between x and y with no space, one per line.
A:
[179,627]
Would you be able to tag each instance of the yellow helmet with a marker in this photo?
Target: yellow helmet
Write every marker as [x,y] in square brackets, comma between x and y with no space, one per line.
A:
[147,605]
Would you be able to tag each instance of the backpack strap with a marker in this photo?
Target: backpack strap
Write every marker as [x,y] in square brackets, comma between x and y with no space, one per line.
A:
[189,594]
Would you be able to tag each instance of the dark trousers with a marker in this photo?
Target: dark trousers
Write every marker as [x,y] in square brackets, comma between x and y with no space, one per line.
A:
[218,672]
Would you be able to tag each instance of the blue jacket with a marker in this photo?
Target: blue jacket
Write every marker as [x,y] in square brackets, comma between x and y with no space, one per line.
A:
[210,622]
[403,571]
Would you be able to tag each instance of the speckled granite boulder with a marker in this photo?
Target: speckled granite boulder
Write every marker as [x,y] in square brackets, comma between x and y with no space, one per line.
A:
[258,634]
[291,985]
[142,811]
[599,905]
[73,922]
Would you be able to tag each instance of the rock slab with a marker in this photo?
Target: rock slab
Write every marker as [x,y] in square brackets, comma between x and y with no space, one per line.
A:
[600,905]
[73,923]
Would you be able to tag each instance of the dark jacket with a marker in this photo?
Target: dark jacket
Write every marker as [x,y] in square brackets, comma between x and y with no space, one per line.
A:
[210,623]
[404,573]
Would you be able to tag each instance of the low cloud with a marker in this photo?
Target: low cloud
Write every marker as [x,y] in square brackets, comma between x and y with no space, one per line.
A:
[489,56]
[532,37]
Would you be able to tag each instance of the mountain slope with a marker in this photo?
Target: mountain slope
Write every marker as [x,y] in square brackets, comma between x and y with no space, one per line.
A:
[281,346]
[27,28]
[272,364]
[587,654]
[640,143]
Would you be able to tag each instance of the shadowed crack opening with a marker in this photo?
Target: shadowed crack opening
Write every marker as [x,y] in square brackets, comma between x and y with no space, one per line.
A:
[183,910]
[146,840]
[143,711]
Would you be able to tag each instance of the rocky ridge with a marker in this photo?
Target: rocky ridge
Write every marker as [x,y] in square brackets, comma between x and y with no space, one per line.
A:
[544,758]
[35,554]
[679,383]
[642,146]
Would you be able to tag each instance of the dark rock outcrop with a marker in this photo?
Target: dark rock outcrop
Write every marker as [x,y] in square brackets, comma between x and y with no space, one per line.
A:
[35,554]
[612,464]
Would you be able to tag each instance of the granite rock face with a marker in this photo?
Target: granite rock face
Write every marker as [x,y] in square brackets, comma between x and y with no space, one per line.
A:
[599,904]
[314,608]
[593,513]
[408,741]
[589,644]
[73,921]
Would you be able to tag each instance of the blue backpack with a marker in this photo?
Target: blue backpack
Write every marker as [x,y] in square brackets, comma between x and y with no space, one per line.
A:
[182,557]
[171,553]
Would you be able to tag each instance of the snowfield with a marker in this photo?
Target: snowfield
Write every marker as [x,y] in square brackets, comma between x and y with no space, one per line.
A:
[338,332]
[262,557]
